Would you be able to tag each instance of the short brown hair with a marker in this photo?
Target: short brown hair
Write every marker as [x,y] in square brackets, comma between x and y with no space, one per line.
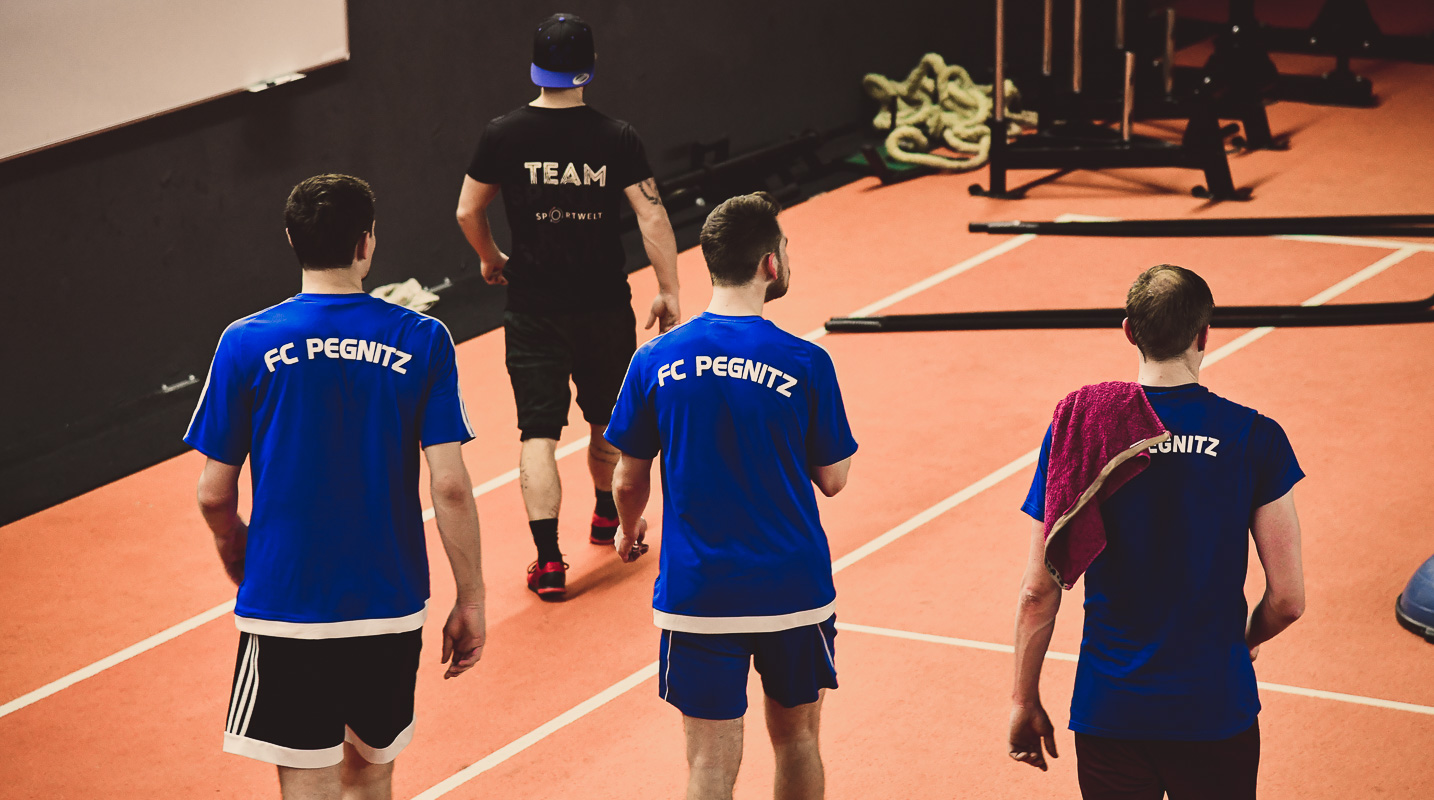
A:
[326,215]
[1167,307]
[737,235]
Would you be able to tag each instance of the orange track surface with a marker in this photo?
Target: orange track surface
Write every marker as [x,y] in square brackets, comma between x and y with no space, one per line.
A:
[934,413]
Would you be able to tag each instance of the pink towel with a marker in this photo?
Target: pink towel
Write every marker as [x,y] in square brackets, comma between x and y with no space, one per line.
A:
[1099,440]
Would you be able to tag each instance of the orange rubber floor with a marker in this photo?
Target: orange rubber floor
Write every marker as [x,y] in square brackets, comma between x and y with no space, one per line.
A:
[116,648]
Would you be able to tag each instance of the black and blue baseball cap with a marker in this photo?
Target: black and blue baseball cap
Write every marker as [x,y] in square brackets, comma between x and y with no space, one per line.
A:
[563,53]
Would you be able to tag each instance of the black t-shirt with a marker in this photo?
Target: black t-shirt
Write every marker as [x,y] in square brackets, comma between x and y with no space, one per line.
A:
[562,172]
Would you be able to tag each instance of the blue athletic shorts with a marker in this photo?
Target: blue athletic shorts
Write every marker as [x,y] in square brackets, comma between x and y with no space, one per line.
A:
[705,674]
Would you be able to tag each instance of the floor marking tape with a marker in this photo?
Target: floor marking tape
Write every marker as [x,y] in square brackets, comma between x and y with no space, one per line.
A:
[1054,656]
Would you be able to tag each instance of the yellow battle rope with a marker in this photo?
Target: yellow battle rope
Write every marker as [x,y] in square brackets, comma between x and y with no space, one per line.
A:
[937,101]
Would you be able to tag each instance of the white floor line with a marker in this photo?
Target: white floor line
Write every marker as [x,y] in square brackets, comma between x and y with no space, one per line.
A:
[1359,241]
[1254,335]
[539,733]
[587,706]
[478,491]
[1054,656]
[940,277]
[120,657]
[216,612]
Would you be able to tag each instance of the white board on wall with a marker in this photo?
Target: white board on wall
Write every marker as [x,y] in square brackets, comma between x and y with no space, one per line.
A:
[72,68]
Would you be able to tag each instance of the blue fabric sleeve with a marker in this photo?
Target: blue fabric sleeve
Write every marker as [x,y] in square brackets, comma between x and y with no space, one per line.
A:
[1035,504]
[445,419]
[829,438]
[1276,471]
[222,423]
[633,426]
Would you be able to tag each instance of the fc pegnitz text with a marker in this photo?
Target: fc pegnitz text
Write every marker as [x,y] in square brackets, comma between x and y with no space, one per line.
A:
[349,349]
[729,367]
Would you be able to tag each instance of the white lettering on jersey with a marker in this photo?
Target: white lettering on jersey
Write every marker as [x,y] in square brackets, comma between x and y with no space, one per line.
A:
[736,367]
[569,171]
[670,371]
[346,349]
[1192,443]
[784,388]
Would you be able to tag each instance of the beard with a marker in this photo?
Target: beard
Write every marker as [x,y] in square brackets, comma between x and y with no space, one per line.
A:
[778,288]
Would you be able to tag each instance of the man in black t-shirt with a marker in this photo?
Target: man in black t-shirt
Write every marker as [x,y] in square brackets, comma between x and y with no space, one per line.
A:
[563,169]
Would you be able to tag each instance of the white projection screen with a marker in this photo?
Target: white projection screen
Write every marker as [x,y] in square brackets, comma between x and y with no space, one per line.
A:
[73,68]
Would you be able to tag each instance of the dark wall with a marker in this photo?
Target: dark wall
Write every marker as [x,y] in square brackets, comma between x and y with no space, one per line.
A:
[127,253]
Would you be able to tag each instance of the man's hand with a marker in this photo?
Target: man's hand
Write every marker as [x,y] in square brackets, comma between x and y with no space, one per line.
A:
[665,312]
[1029,727]
[493,269]
[630,548]
[463,637]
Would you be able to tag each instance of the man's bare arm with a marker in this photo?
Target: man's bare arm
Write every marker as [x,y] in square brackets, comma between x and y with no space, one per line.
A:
[661,246]
[1036,610]
[631,488]
[1276,529]
[465,632]
[473,202]
[832,478]
[219,503]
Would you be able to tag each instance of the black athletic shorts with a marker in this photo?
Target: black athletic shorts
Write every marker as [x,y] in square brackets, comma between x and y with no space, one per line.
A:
[545,350]
[296,701]
[1134,769]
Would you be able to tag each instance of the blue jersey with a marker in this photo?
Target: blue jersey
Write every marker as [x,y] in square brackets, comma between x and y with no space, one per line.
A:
[331,396]
[740,412]
[1163,654]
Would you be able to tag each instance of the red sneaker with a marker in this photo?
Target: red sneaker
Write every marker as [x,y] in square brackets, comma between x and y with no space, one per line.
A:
[548,580]
[604,530]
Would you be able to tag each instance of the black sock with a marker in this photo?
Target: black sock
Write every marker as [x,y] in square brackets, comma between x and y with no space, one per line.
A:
[605,505]
[545,536]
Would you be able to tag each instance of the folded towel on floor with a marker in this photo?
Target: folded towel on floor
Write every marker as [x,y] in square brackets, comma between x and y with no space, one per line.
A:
[1100,437]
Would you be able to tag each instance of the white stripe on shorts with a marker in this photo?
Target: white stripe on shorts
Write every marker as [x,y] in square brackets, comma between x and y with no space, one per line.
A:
[240,681]
[667,670]
[822,637]
[253,691]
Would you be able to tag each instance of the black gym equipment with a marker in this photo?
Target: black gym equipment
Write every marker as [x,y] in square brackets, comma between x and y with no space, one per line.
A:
[1344,29]
[1073,130]
[1341,315]
[1349,225]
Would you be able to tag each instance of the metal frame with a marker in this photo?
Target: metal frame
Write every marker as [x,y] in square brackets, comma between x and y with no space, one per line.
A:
[1352,225]
[1332,316]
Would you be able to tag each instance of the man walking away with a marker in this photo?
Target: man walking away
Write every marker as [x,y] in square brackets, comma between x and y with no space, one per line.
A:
[563,167]
[746,417]
[331,394]
[1165,698]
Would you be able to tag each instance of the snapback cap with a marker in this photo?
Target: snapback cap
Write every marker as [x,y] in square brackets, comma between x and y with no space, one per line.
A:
[563,52]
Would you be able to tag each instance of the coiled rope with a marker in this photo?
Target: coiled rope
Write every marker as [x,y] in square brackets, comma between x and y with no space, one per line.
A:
[940,101]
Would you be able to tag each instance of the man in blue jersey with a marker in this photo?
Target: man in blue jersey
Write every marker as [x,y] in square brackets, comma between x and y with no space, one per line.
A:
[330,395]
[1165,698]
[746,417]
